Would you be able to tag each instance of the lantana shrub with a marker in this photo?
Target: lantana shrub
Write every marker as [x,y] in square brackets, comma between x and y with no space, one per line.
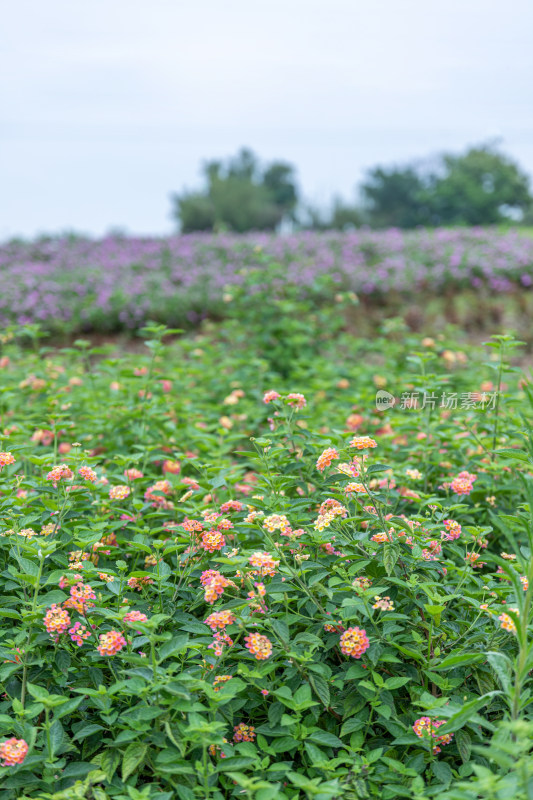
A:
[216,585]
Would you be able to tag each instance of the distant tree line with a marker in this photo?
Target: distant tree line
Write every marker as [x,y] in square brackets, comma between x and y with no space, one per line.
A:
[240,196]
[479,187]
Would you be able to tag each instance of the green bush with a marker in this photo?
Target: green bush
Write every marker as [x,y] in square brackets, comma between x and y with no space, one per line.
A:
[294,595]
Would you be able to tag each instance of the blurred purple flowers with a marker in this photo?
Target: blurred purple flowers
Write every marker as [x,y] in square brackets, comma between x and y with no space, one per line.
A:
[74,284]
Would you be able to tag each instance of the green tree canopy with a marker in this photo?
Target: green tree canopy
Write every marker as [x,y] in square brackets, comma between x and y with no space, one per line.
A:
[396,197]
[480,187]
[239,196]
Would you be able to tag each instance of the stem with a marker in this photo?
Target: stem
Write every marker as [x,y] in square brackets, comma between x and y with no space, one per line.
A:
[497,408]
[206,775]
[368,724]
[158,559]
[25,673]
[294,574]
[430,642]
[33,610]
[37,584]
[48,739]
[462,636]
[520,670]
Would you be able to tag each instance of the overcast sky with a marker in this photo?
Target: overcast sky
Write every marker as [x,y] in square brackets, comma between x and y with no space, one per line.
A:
[110,105]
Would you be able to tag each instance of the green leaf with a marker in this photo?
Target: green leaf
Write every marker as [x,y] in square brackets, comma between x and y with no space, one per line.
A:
[321,688]
[63,660]
[270,793]
[28,567]
[237,762]
[503,667]
[409,652]
[434,611]
[519,455]
[9,613]
[457,659]
[38,692]
[284,744]
[78,769]
[175,645]
[391,553]
[133,755]
[408,738]
[464,745]
[315,753]
[281,629]
[464,714]
[375,468]
[88,730]
[68,707]
[396,682]
[57,735]
[351,725]
[323,737]
[442,772]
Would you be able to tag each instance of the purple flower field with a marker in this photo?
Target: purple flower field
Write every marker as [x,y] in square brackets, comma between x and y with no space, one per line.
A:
[72,284]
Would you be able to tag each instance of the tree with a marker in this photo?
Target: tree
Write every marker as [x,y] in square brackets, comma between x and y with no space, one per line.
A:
[278,179]
[239,196]
[344,216]
[482,187]
[195,211]
[479,187]
[340,217]
[396,197]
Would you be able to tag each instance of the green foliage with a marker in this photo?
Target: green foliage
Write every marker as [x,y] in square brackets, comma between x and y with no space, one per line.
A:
[341,217]
[279,322]
[239,196]
[345,217]
[481,187]
[313,536]
[396,198]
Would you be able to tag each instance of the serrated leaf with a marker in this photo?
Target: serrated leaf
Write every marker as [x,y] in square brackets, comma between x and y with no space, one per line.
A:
[351,725]
[503,667]
[442,772]
[57,735]
[396,682]
[133,755]
[375,468]
[315,753]
[39,693]
[409,652]
[68,707]
[281,630]
[63,660]
[461,717]
[519,455]
[237,762]
[325,738]
[9,613]
[464,745]
[175,645]
[391,553]
[87,730]
[321,689]
[28,567]
[459,659]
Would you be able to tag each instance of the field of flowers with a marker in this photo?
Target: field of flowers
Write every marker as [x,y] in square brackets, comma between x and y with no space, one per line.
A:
[224,580]
[71,284]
